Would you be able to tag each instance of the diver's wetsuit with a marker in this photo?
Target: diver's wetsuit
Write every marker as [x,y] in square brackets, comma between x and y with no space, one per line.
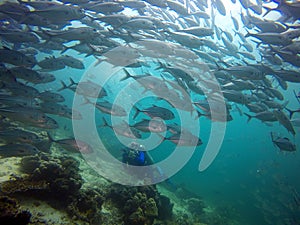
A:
[133,157]
[141,158]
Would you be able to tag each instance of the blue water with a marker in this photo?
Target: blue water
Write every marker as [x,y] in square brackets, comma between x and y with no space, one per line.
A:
[250,177]
[250,181]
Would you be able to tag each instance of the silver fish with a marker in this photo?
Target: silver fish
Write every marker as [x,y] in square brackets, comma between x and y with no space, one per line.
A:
[155,126]
[123,129]
[198,31]
[17,135]
[284,144]
[18,150]
[16,58]
[48,96]
[19,36]
[29,116]
[71,61]
[271,38]
[51,64]
[109,108]
[155,112]
[263,116]
[284,120]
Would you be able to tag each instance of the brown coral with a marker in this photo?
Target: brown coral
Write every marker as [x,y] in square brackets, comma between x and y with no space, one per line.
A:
[10,212]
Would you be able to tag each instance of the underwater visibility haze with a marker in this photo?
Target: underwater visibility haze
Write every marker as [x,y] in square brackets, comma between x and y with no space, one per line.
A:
[141,112]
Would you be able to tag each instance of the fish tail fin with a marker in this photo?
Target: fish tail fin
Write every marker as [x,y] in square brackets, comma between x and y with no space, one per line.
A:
[50,138]
[130,35]
[86,101]
[65,48]
[249,117]
[64,86]
[268,10]
[162,137]
[257,43]
[88,54]
[161,66]
[291,112]
[128,75]
[297,96]
[105,124]
[162,77]
[137,111]
[199,114]
[283,105]
[272,136]
[244,61]
[72,82]
[99,60]
[235,32]
[248,34]
[240,44]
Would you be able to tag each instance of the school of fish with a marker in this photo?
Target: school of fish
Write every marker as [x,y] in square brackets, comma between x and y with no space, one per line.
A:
[192,57]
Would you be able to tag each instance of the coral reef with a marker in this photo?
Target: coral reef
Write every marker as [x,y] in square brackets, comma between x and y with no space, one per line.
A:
[57,181]
[10,214]
[195,206]
[220,216]
[182,219]
[21,185]
[86,206]
[62,174]
[165,208]
[140,205]
[151,209]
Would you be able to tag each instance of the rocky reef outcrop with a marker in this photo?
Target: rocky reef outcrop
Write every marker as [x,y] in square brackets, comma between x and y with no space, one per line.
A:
[10,214]
[141,205]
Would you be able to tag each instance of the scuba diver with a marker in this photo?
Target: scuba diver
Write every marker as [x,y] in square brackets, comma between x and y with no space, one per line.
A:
[136,155]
